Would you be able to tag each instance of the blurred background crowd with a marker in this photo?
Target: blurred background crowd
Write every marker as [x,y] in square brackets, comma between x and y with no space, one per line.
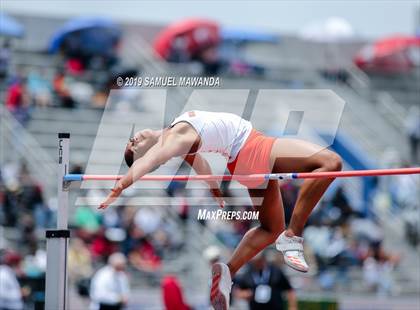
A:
[58,74]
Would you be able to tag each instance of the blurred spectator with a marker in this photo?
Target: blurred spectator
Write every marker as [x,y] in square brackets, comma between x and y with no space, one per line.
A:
[5,54]
[173,298]
[377,270]
[86,220]
[413,132]
[110,288]
[101,246]
[212,254]
[31,199]
[35,262]
[27,230]
[178,51]
[148,220]
[75,66]
[338,253]
[335,75]
[230,232]
[10,174]
[342,205]
[40,88]
[366,229]
[81,92]
[21,193]
[10,290]
[80,265]
[226,232]
[263,285]
[8,205]
[405,189]
[141,251]
[412,227]
[209,58]
[113,217]
[61,89]
[18,101]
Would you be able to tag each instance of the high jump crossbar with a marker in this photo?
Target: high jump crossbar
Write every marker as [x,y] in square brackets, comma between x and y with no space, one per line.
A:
[269,176]
[56,291]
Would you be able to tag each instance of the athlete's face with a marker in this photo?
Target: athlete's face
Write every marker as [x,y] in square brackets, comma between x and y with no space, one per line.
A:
[141,142]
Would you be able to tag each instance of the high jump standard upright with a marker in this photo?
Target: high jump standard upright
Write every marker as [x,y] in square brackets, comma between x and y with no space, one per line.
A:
[56,292]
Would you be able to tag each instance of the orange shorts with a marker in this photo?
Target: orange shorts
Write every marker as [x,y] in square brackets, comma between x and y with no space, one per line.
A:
[253,158]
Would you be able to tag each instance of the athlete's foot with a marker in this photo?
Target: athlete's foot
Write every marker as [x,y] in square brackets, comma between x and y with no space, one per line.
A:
[292,249]
[220,286]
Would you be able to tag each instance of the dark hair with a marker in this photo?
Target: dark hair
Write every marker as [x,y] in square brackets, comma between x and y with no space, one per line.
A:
[129,157]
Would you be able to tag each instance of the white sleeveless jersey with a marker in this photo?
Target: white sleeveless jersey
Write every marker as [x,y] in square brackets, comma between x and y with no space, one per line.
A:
[223,133]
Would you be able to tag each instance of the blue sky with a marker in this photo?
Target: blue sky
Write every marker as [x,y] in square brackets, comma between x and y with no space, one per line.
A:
[370,18]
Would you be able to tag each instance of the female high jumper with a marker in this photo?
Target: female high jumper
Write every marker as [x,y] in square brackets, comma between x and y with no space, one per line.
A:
[248,152]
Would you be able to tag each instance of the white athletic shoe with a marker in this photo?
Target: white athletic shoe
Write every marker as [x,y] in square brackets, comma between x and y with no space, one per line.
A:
[220,286]
[292,249]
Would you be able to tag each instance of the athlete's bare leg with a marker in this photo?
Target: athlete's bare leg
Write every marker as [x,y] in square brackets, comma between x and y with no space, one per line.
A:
[271,217]
[287,155]
[292,155]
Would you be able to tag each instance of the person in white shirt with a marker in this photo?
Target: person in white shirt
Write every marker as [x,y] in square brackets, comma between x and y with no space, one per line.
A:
[247,152]
[110,288]
[10,290]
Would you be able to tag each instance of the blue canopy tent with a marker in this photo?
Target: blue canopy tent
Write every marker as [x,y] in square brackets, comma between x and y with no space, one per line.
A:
[244,35]
[95,35]
[10,27]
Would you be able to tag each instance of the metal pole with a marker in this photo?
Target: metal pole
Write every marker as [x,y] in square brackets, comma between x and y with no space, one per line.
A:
[56,293]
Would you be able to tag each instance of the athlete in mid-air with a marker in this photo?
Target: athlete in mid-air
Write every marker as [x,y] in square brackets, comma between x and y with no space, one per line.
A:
[248,152]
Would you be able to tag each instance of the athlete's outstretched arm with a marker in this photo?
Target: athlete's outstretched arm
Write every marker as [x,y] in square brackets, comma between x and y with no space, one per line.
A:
[201,166]
[169,146]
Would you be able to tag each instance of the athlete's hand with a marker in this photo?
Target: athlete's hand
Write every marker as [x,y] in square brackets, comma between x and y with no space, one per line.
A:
[218,196]
[113,195]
